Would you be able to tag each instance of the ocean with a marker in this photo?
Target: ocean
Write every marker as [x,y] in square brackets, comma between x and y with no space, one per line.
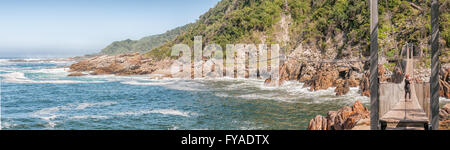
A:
[38,95]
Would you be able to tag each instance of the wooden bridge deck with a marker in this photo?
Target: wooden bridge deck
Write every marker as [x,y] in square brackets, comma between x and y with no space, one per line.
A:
[406,114]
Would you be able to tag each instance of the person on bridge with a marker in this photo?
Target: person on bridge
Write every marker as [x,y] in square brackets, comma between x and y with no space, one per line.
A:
[408,82]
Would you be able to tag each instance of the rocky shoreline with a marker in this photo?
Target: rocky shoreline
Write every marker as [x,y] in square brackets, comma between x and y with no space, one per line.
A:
[316,76]
[121,65]
[345,118]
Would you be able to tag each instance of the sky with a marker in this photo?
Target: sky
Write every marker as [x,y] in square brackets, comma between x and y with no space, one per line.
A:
[78,27]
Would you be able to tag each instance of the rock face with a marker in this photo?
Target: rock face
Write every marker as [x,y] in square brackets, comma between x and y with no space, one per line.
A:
[318,123]
[323,79]
[321,76]
[296,71]
[444,89]
[342,87]
[444,112]
[364,85]
[344,119]
[444,83]
[125,64]
[304,65]
[291,70]
[444,115]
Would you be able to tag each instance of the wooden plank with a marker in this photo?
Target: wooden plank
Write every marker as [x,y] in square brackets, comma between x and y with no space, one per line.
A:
[405,112]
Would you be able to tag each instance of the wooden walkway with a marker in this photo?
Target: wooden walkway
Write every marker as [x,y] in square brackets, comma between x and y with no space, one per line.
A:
[406,115]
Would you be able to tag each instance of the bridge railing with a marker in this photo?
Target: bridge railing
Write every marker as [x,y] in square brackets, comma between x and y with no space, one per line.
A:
[423,96]
[390,95]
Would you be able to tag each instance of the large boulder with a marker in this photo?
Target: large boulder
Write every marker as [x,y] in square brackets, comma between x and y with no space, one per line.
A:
[341,117]
[446,108]
[444,112]
[290,70]
[331,118]
[323,79]
[318,123]
[308,70]
[444,115]
[444,89]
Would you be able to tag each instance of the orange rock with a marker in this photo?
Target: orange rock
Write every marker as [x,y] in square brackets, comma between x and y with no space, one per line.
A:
[358,108]
[444,125]
[343,119]
[323,79]
[342,87]
[444,89]
[351,122]
[318,123]
[352,82]
[364,85]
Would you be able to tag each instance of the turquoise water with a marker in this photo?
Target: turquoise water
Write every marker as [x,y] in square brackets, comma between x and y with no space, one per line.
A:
[39,95]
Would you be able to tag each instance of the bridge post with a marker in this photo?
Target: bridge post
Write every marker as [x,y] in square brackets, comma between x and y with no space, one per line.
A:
[434,80]
[374,97]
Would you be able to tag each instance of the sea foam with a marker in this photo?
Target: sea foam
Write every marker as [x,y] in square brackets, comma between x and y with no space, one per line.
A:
[157,111]
[19,77]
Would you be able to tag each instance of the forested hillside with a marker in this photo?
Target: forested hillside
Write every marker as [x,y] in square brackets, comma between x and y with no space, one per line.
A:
[143,45]
[334,28]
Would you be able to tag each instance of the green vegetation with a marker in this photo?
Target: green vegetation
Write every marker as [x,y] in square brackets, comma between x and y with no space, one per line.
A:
[143,45]
[318,24]
[390,66]
[231,21]
[313,22]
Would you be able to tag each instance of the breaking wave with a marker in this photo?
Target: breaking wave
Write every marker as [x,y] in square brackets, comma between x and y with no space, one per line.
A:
[19,77]
[51,114]
[89,117]
[157,111]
